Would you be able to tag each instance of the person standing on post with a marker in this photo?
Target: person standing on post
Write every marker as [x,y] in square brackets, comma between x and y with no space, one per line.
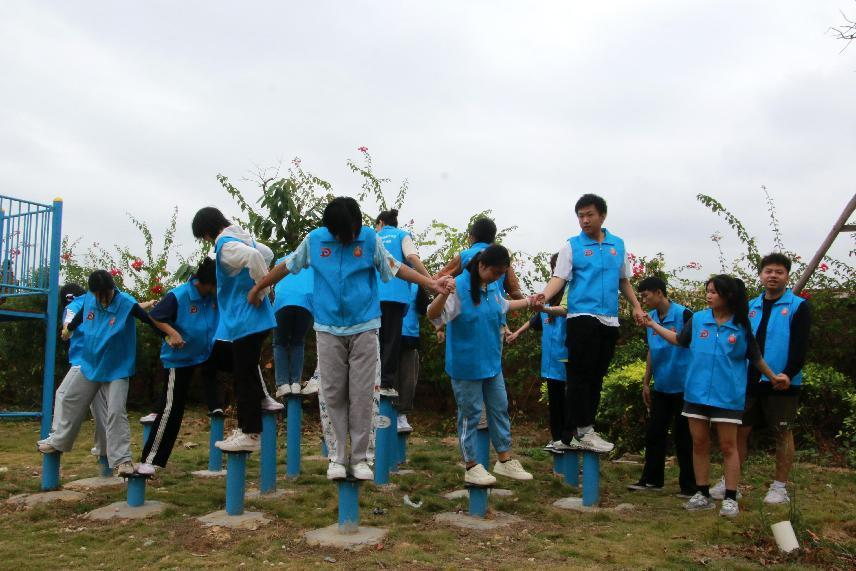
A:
[595,268]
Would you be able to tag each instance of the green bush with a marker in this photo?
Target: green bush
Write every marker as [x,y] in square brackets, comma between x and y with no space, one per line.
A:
[827,408]
[622,413]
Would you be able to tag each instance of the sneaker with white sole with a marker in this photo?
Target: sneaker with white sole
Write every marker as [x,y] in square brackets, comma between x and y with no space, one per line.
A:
[717,492]
[777,495]
[549,447]
[511,469]
[479,476]
[643,486]
[125,469]
[146,469]
[362,471]
[45,446]
[94,451]
[403,425]
[295,388]
[388,392]
[269,404]
[217,412]
[559,446]
[240,443]
[151,417]
[699,502]
[729,508]
[282,390]
[336,471]
[311,387]
[593,442]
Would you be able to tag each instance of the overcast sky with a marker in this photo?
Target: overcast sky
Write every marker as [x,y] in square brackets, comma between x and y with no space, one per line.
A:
[516,106]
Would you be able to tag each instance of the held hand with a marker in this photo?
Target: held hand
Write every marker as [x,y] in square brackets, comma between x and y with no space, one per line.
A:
[147,305]
[175,341]
[781,382]
[66,334]
[646,396]
[441,336]
[253,297]
[647,321]
[639,316]
[512,337]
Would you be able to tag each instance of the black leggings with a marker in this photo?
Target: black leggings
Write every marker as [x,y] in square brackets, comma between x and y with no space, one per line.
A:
[391,320]
[249,383]
[556,406]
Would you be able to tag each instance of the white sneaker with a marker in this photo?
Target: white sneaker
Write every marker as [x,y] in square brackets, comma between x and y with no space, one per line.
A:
[403,425]
[777,495]
[151,417]
[388,392]
[295,388]
[336,471]
[559,446]
[240,443]
[511,469]
[268,403]
[729,508]
[311,386]
[479,476]
[283,390]
[550,446]
[146,469]
[361,471]
[45,447]
[217,412]
[592,441]
[125,469]
[717,492]
[699,502]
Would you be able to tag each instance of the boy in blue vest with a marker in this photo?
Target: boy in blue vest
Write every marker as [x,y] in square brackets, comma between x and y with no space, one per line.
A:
[595,268]
[781,322]
[394,298]
[408,370]
[667,364]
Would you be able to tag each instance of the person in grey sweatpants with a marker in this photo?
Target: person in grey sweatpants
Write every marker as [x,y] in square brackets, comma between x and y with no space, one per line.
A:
[98,409]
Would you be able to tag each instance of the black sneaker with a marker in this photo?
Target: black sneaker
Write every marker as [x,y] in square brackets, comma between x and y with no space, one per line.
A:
[642,486]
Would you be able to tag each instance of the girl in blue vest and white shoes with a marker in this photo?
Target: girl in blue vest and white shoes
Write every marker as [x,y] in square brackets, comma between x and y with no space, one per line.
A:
[241,262]
[721,345]
[473,314]
[347,260]
[292,306]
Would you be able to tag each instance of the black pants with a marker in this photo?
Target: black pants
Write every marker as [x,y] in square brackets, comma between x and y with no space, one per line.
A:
[391,320]
[556,406]
[292,324]
[591,345]
[249,383]
[665,412]
[157,449]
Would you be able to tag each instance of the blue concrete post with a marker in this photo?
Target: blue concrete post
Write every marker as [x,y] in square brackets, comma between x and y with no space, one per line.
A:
[383,451]
[293,436]
[349,505]
[147,430]
[236,479]
[50,471]
[267,461]
[325,452]
[136,490]
[483,447]
[392,438]
[402,447]
[478,501]
[571,468]
[558,463]
[104,467]
[215,455]
[591,478]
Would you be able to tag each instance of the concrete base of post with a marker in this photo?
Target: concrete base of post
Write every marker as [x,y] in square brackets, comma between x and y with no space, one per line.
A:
[247,520]
[27,501]
[330,536]
[494,520]
[121,510]
[209,473]
[96,483]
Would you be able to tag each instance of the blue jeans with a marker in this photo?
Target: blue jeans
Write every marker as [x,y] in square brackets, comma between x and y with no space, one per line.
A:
[292,325]
[470,395]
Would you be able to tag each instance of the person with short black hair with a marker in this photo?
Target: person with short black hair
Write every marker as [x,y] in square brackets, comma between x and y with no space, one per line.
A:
[667,365]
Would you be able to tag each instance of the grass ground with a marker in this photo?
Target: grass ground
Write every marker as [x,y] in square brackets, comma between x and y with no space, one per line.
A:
[656,534]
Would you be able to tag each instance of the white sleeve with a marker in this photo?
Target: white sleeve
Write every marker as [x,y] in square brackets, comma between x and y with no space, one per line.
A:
[408,248]
[266,253]
[451,310]
[625,271]
[564,263]
[503,304]
[67,317]
[235,256]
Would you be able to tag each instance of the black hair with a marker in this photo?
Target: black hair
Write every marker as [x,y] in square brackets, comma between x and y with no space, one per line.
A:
[206,273]
[388,217]
[483,230]
[342,217]
[733,291]
[68,292]
[591,200]
[209,221]
[777,259]
[556,299]
[493,255]
[100,281]
[652,284]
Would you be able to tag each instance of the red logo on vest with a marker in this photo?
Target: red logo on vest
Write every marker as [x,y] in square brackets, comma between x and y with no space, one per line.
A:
[588,253]
[613,252]
[194,309]
[784,311]
[752,314]
[704,334]
[732,339]
[112,321]
[90,316]
[358,252]
[325,252]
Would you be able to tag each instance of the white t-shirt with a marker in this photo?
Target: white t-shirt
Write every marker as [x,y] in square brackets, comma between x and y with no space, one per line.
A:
[452,309]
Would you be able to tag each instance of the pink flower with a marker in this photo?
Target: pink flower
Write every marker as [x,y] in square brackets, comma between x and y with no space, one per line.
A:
[66,257]
[137,264]
[115,272]
[296,161]
[694,266]
[823,267]
[363,149]
[631,257]
[805,295]
[157,289]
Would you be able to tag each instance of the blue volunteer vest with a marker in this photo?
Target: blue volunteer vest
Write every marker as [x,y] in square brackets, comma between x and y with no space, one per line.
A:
[777,341]
[473,344]
[410,325]
[717,372]
[345,291]
[109,338]
[293,289]
[668,362]
[196,320]
[553,348]
[596,270]
[238,317]
[396,289]
[75,344]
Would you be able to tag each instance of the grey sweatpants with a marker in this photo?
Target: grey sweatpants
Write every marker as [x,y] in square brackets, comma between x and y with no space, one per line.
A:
[98,408]
[71,409]
[348,394]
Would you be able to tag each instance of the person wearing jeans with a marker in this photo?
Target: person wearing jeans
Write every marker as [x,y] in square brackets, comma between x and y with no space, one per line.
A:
[292,304]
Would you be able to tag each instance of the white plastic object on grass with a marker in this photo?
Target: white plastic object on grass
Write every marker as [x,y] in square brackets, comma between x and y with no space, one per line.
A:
[785,537]
[412,504]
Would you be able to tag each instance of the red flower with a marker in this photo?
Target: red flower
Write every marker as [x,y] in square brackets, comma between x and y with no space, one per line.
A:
[823,267]
[631,257]
[363,149]
[66,257]
[137,264]
[296,161]
[115,272]
[694,266]
[805,295]
[157,289]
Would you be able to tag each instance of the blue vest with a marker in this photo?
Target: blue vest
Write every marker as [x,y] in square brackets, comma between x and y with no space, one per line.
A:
[238,317]
[293,289]
[410,325]
[717,372]
[395,289]
[345,290]
[75,344]
[668,362]
[777,341]
[196,320]
[596,270]
[473,344]
[109,338]
[553,348]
